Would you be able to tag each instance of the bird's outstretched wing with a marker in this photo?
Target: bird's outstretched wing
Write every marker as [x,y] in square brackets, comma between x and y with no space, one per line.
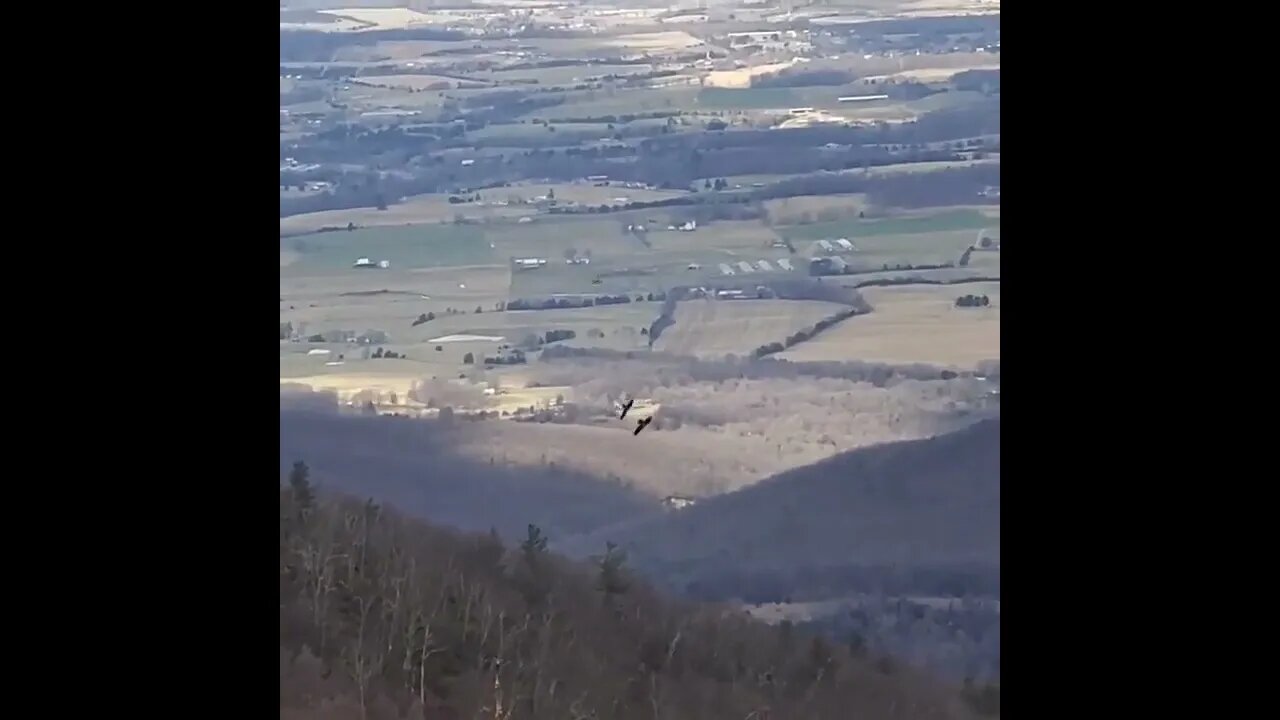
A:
[626,408]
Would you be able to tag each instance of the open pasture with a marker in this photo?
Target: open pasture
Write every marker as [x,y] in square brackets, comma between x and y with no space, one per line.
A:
[653,42]
[931,75]
[402,50]
[945,101]
[744,181]
[415,83]
[737,236]
[565,74]
[630,277]
[918,167]
[387,300]
[912,223]
[724,98]
[659,272]
[437,348]
[608,326]
[393,18]
[595,103]
[406,246]
[913,324]
[549,236]
[875,251]
[584,193]
[365,98]
[802,209]
[357,374]
[523,135]
[415,210]
[715,328]
[878,66]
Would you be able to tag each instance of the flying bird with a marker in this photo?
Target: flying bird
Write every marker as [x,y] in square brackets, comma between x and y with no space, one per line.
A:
[625,408]
[641,423]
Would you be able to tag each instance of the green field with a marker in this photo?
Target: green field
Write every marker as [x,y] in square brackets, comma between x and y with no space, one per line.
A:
[571,134]
[746,98]
[915,249]
[405,246]
[565,74]
[595,103]
[657,274]
[858,228]
[946,100]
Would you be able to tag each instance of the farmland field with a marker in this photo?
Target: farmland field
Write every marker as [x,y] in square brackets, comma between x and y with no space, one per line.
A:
[913,325]
[415,82]
[747,98]
[914,224]
[715,328]
[874,251]
[408,246]
[642,275]
[419,209]
[387,299]
[619,325]
[567,74]
[813,208]
[900,168]
[589,103]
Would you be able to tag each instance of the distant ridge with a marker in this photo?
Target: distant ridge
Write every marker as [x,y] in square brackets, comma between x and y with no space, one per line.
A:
[916,504]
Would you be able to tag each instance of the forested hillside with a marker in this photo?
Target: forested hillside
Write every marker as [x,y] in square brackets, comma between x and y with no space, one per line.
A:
[386,617]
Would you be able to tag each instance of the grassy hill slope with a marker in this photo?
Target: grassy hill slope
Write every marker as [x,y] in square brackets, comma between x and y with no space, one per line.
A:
[923,515]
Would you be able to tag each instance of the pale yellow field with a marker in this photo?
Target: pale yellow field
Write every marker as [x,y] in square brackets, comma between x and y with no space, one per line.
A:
[386,18]
[933,74]
[341,25]
[346,384]
[913,324]
[741,78]
[715,328]
[688,461]
[408,82]
[390,391]
[813,208]
[669,40]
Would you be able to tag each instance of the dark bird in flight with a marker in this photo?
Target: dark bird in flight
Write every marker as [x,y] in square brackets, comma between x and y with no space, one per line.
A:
[625,408]
[641,423]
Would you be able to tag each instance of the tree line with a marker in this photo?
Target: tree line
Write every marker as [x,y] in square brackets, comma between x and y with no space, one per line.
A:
[385,617]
